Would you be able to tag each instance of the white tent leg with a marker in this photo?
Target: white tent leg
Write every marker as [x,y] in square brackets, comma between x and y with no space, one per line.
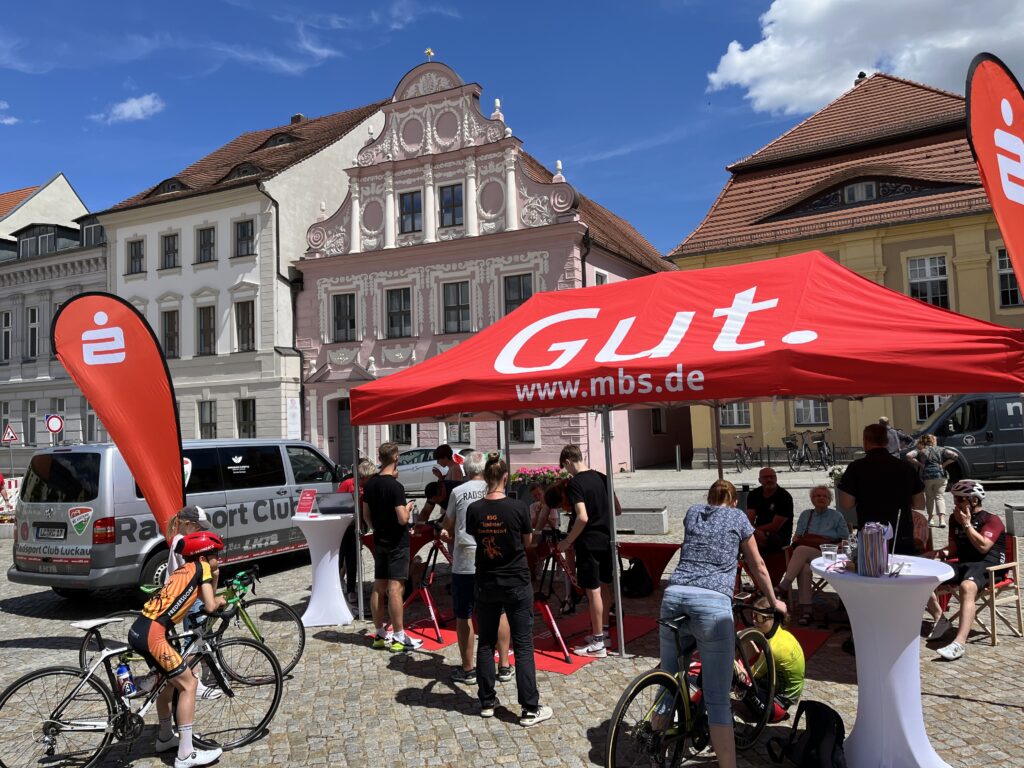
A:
[357,493]
[606,423]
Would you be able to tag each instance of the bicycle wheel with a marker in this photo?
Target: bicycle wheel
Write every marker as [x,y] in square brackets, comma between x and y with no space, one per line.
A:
[113,635]
[648,725]
[57,716]
[739,461]
[793,457]
[276,625]
[753,686]
[252,686]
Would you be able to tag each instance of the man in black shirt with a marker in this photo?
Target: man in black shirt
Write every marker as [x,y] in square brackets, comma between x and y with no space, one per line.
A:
[883,488]
[590,535]
[386,511]
[770,509]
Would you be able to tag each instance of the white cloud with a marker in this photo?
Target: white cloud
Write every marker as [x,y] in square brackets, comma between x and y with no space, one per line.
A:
[811,50]
[130,110]
[6,119]
[671,136]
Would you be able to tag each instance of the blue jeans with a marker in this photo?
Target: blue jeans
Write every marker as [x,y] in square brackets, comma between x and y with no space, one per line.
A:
[711,624]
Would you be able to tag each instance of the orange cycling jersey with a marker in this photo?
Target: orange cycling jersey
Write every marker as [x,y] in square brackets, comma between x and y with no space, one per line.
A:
[172,602]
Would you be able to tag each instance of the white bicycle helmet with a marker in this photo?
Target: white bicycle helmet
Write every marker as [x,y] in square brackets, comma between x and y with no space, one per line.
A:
[971,489]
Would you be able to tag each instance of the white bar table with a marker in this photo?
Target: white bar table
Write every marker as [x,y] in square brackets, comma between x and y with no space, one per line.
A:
[327,606]
[885,614]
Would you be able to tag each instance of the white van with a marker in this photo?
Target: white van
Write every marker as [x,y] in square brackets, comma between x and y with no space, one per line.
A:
[81,522]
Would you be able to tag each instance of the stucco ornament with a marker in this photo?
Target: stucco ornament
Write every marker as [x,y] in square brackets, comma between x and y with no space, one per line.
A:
[428,82]
[536,210]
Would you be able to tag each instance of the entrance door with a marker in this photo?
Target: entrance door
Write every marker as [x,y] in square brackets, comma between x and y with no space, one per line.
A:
[345,457]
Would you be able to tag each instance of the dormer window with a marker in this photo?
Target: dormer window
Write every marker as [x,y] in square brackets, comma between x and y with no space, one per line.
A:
[860,192]
[241,170]
[171,185]
[279,140]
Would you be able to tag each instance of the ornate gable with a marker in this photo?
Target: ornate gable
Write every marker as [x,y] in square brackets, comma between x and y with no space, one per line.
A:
[438,170]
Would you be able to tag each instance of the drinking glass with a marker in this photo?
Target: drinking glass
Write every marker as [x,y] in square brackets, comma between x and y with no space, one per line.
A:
[829,553]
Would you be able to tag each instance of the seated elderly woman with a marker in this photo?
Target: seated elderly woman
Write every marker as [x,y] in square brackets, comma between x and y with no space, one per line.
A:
[821,525]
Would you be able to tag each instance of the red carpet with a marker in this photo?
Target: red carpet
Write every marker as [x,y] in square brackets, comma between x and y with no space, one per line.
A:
[424,630]
[549,656]
[810,639]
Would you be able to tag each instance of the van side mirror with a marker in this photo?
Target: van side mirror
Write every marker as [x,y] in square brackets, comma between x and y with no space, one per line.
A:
[950,428]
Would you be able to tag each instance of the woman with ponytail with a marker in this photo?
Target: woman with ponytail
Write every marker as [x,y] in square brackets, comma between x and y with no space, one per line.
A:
[501,527]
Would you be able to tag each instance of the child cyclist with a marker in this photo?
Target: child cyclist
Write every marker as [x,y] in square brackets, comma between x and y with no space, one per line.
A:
[148,635]
[789,664]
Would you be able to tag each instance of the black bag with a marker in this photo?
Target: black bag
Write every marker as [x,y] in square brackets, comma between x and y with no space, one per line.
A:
[635,580]
[821,743]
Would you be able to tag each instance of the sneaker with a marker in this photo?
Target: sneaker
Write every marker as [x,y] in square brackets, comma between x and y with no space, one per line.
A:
[166,746]
[505,674]
[408,644]
[208,692]
[952,652]
[940,628]
[532,718]
[464,676]
[593,646]
[487,710]
[380,643]
[198,757]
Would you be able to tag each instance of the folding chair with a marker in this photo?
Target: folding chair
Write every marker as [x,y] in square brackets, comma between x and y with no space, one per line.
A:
[1003,590]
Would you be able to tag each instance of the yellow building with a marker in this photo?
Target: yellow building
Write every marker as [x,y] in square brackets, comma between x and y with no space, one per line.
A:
[883,181]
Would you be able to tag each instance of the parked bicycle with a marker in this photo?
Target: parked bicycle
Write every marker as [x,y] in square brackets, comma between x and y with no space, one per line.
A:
[815,452]
[660,719]
[65,716]
[264,619]
[744,456]
[826,456]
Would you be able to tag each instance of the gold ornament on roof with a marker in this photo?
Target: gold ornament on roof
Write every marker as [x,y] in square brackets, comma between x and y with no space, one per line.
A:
[430,54]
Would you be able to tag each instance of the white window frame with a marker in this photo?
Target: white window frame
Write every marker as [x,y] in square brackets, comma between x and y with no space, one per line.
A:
[858,192]
[28,247]
[235,241]
[199,246]
[412,434]
[1004,269]
[600,278]
[469,307]
[234,325]
[6,336]
[423,211]
[926,405]
[504,298]
[141,242]
[355,317]
[5,415]
[930,264]
[32,332]
[238,418]
[535,428]
[177,333]
[453,431]
[808,412]
[735,415]
[51,243]
[89,238]
[440,208]
[386,325]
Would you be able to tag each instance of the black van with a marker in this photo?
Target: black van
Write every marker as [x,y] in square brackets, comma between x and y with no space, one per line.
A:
[987,431]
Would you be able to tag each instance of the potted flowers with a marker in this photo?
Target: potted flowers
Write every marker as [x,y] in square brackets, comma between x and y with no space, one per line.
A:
[522,478]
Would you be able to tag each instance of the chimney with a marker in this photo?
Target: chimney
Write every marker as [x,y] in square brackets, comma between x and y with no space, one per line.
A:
[298,117]
[861,77]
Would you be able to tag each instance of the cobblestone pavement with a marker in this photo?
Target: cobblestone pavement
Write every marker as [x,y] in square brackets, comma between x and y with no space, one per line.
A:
[348,705]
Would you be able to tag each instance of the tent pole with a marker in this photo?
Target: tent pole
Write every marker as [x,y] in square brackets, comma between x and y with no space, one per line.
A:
[718,439]
[357,522]
[508,445]
[606,424]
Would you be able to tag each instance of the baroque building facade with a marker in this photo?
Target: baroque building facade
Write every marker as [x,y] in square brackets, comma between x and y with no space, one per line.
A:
[447,224]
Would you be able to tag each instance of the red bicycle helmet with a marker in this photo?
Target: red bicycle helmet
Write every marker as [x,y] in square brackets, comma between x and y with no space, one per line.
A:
[200,543]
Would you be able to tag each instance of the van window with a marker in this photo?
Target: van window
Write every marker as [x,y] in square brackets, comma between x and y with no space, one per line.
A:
[205,476]
[969,417]
[252,466]
[62,477]
[309,466]
[1009,413]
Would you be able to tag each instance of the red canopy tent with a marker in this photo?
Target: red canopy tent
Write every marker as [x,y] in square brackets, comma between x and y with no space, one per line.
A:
[799,326]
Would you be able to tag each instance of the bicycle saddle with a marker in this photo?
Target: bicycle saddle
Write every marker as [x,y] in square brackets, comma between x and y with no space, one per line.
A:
[88,624]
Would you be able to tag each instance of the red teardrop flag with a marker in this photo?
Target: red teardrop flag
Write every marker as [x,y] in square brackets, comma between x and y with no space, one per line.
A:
[113,356]
[995,130]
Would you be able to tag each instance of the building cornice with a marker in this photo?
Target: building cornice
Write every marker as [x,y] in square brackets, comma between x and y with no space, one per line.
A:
[18,273]
[172,209]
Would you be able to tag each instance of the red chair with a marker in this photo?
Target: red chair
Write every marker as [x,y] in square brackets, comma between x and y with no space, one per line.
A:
[1003,590]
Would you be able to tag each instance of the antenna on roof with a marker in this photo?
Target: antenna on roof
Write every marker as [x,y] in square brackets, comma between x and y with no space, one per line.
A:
[861,77]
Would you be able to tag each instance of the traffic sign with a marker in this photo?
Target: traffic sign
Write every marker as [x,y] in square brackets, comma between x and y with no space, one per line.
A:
[54,422]
[10,436]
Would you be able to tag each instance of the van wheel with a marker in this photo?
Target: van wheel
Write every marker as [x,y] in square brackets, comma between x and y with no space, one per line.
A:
[153,571]
[72,594]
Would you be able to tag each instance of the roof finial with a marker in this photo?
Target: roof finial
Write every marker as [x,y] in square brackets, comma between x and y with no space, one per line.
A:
[558,172]
[430,54]
[496,114]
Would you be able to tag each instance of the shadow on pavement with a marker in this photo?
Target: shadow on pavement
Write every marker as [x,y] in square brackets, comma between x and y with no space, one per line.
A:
[449,701]
[51,643]
[47,604]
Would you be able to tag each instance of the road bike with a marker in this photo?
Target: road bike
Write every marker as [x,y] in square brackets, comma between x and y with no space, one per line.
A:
[660,719]
[557,584]
[744,456]
[264,619]
[66,716]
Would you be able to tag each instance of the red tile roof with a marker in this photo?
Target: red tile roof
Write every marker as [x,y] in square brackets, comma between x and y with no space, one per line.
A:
[11,200]
[606,229]
[209,174]
[880,108]
[900,146]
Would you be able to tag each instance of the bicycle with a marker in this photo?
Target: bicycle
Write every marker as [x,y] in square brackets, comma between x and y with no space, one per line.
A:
[798,454]
[825,455]
[573,593]
[68,716]
[660,719]
[742,453]
[266,619]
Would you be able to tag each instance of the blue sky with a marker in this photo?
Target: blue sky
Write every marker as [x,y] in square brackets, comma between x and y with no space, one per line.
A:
[122,95]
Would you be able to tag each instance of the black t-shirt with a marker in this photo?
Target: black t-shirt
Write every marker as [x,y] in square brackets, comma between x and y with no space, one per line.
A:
[449,484]
[498,525]
[989,526]
[883,487]
[767,508]
[382,493]
[591,487]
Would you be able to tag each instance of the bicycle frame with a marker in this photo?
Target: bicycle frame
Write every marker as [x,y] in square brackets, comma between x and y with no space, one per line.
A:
[555,561]
[422,590]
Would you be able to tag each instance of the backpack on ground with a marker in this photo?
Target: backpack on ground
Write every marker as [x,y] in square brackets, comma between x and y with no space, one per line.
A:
[635,581]
[820,745]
